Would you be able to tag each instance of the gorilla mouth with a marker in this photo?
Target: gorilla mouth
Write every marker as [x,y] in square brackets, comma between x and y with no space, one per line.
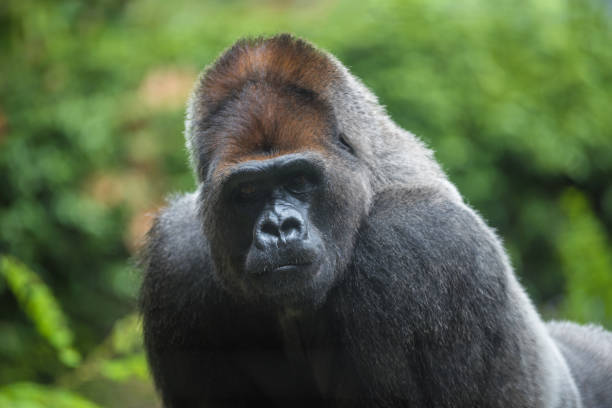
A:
[276,275]
[272,269]
[292,267]
[282,262]
[283,278]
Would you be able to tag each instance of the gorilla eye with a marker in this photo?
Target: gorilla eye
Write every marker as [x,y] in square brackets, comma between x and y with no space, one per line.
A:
[344,144]
[299,184]
[246,192]
[247,189]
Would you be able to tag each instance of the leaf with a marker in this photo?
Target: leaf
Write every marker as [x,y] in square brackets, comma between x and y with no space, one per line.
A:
[29,395]
[39,304]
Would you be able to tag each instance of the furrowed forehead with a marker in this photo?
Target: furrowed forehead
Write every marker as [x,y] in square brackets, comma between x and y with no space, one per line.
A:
[263,97]
[267,120]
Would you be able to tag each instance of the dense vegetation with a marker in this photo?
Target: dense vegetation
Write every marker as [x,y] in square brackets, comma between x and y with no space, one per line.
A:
[516,101]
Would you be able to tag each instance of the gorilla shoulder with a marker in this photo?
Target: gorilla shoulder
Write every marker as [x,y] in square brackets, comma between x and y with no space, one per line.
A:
[176,243]
[176,266]
[448,313]
[427,223]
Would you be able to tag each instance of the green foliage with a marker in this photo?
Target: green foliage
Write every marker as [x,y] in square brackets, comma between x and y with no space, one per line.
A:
[115,372]
[26,395]
[515,100]
[119,358]
[587,261]
[123,369]
[37,301]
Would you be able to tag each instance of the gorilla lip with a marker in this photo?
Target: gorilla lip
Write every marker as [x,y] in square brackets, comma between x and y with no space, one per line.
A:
[283,279]
[283,268]
[285,259]
[291,267]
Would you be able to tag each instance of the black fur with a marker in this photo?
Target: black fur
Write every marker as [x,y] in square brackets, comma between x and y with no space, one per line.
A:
[415,303]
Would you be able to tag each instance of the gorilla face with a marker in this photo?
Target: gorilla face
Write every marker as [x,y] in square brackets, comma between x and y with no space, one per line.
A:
[278,245]
[283,196]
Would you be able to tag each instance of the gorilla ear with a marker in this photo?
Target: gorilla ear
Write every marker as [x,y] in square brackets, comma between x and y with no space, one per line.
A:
[282,59]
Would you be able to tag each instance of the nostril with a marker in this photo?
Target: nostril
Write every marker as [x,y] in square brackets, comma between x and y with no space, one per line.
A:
[270,228]
[291,224]
[280,227]
[293,229]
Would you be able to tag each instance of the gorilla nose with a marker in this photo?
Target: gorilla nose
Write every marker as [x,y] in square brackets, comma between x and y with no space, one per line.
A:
[279,227]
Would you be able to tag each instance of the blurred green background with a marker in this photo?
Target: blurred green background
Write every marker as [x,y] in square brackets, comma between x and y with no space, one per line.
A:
[515,98]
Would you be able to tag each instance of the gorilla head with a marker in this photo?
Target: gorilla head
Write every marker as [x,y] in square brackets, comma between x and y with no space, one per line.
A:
[283,190]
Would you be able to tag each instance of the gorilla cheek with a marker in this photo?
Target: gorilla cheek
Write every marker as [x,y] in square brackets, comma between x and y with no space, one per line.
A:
[343,211]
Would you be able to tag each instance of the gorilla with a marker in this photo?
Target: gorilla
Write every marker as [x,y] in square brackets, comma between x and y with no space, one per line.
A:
[325,259]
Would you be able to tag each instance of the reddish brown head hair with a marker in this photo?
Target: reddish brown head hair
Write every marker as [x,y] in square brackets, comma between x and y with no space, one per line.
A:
[282,59]
[262,97]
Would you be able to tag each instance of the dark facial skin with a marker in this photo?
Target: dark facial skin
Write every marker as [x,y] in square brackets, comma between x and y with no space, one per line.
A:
[272,201]
[279,233]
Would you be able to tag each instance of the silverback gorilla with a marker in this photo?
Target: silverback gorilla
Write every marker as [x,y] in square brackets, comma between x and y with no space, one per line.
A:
[326,260]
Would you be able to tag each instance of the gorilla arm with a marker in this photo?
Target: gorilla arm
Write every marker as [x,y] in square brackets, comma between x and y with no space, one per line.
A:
[180,305]
[433,315]
[174,291]
[204,346]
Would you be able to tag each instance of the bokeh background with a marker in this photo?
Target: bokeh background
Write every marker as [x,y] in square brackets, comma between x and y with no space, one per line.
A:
[514,97]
